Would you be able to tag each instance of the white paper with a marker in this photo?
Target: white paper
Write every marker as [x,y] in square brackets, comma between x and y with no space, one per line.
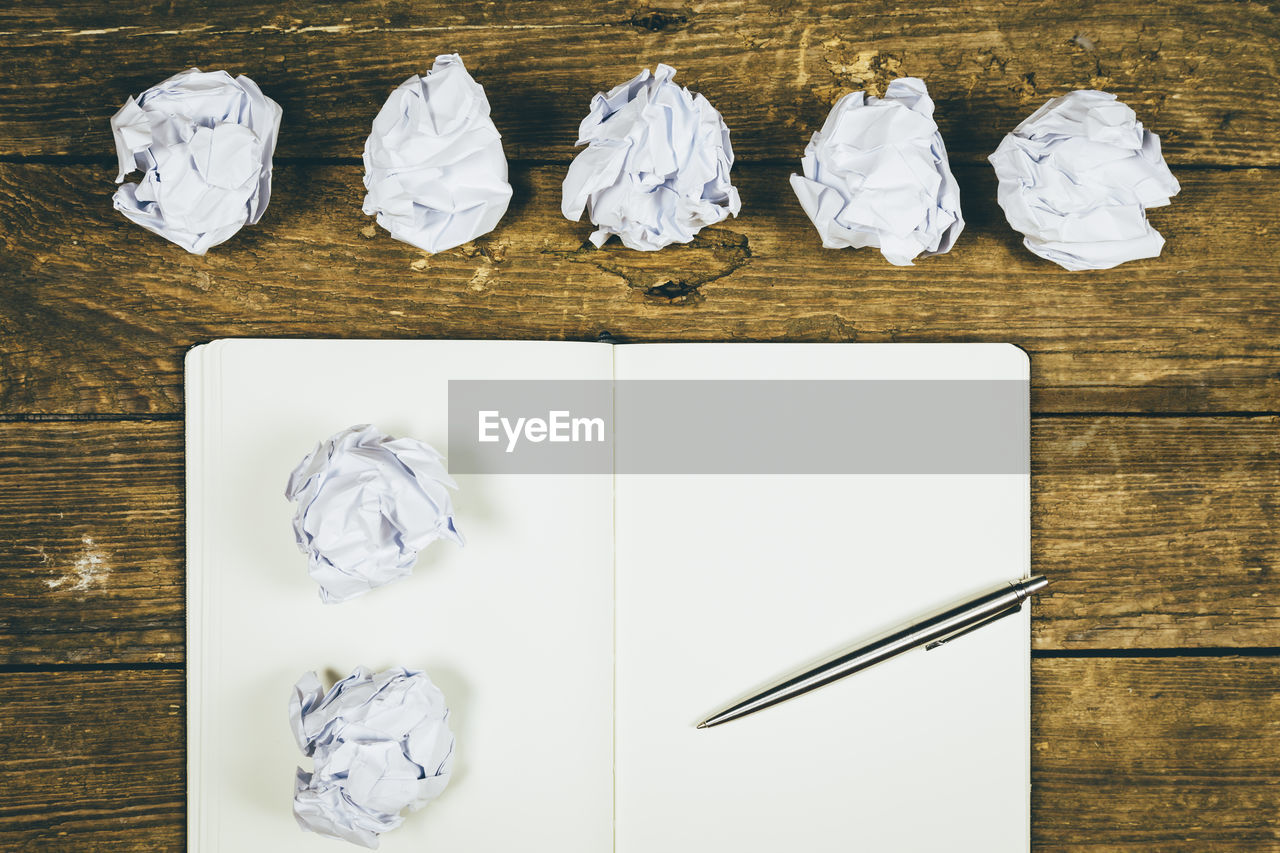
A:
[876,174]
[516,628]
[519,627]
[366,505]
[433,165]
[1076,177]
[204,143]
[656,167]
[755,576]
[380,744]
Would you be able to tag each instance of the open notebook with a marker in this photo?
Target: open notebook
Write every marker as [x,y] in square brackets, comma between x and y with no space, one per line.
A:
[594,618]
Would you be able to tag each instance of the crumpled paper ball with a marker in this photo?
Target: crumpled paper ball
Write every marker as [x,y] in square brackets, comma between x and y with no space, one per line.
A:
[876,174]
[204,143]
[1076,178]
[367,503]
[656,167]
[380,744]
[433,165]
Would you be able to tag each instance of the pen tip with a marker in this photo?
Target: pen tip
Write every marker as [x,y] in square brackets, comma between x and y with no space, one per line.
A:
[702,725]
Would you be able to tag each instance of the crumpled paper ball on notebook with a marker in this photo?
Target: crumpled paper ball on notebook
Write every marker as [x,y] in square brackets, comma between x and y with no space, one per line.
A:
[1076,178]
[433,166]
[367,503]
[876,174]
[204,143]
[380,744]
[656,167]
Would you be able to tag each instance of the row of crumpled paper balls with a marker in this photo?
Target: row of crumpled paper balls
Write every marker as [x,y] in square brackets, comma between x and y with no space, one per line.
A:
[1076,177]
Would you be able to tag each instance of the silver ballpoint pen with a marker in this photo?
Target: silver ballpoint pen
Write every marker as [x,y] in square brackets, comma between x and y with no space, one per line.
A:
[930,633]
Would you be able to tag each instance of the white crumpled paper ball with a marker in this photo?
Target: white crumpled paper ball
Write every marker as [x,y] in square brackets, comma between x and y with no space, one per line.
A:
[380,744]
[366,505]
[204,143]
[876,174]
[433,165]
[656,167]
[1076,178]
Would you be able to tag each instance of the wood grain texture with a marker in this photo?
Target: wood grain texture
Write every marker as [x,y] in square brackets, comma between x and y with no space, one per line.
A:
[1157,533]
[93,761]
[97,313]
[1202,74]
[1157,754]
[91,543]
[1127,755]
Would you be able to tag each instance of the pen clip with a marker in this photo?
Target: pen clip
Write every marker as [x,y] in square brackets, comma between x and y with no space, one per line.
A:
[1016,608]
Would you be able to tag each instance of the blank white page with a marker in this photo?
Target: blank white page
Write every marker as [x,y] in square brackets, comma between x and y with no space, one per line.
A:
[724,583]
[516,627]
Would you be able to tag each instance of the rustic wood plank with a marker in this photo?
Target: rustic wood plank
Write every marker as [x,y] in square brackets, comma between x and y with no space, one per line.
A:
[1203,74]
[97,313]
[1127,755]
[93,761]
[1157,533]
[133,20]
[1157,754]
[91,542]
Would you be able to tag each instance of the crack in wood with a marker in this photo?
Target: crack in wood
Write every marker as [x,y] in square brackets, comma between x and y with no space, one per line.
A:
[676,275]
[660,20]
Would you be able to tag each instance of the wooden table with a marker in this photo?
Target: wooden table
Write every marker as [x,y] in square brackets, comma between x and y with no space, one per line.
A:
[1156,453]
